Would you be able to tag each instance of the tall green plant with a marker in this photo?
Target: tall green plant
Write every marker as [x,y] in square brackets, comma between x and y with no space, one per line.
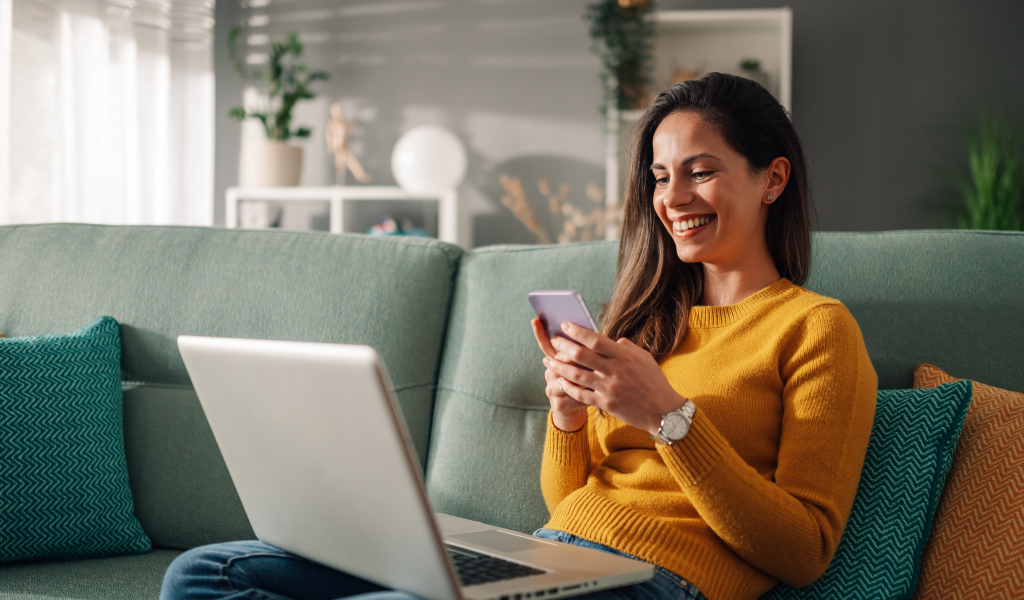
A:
[280,82]
[623,34]
[994,185]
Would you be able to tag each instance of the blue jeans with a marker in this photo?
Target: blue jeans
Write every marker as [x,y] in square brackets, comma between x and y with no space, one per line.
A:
[257,571]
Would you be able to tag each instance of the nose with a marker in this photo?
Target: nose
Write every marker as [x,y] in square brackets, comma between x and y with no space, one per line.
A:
[675,194]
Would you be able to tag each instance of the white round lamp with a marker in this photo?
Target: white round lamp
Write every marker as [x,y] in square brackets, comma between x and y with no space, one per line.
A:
[428,160]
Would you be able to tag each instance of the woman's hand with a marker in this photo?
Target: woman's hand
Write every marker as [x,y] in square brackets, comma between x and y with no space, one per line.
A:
[625,380]
[566,413]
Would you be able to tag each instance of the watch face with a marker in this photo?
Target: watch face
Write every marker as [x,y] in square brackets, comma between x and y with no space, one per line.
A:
[675,427]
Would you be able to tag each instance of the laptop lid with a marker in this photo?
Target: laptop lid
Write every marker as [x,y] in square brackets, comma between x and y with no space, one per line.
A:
[309,433]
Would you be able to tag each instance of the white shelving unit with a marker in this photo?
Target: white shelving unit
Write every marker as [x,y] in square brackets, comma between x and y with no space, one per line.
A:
[704,41]
[338,196]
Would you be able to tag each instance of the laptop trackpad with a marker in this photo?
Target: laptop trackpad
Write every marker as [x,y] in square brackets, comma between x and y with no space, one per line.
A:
[500,541]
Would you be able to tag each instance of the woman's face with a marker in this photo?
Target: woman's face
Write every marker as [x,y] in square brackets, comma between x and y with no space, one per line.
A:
[708,199]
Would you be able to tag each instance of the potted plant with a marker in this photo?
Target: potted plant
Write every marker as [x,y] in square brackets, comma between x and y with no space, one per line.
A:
[993,190]
[280,82]
[751,69]
[623,36]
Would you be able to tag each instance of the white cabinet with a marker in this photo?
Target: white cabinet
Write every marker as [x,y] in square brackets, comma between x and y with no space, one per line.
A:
[703,41]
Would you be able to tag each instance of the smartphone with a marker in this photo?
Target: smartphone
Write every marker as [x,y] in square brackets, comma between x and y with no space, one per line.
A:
[555,307]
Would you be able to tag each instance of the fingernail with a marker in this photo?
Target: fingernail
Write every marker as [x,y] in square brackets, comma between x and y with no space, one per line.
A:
[565,326]
[546,361]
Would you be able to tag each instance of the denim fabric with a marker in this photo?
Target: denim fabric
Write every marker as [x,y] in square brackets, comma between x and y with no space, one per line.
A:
[665,585]
[256,571]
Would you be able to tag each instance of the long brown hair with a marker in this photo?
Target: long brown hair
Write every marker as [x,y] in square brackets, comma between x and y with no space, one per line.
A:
[654,290]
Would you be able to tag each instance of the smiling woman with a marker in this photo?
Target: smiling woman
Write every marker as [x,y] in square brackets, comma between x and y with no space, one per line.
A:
[718,426]
[716,149]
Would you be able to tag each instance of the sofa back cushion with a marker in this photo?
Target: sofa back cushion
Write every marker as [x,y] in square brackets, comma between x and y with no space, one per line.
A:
[953,298]
[162,282]
[950,298]
[491,411]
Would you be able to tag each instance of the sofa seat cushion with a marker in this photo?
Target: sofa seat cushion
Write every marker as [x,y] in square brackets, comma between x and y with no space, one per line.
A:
[120,578]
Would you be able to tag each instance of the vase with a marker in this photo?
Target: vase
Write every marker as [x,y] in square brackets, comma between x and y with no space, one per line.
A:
[271,163]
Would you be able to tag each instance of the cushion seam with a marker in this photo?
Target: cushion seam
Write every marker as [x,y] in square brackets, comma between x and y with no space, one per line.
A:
[475,396]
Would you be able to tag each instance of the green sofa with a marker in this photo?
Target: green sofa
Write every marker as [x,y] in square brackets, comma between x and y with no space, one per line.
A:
[453,329]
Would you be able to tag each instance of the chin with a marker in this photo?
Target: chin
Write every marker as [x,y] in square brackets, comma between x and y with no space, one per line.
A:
[689,255]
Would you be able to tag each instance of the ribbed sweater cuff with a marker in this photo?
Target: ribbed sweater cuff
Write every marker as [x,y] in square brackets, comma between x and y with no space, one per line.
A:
[562,446]
[698,453]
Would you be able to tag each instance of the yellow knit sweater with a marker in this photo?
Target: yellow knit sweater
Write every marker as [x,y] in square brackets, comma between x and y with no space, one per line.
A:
[762,485]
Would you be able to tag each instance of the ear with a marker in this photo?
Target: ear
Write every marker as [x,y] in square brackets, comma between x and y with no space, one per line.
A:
[776,177]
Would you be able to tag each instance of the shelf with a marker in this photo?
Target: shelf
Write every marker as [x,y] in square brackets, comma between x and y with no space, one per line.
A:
[710,20]
[703,41]
[355,192]
[717,40]
[338,196]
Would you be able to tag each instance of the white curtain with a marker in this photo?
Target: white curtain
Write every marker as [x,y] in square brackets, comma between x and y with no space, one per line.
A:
[106,111]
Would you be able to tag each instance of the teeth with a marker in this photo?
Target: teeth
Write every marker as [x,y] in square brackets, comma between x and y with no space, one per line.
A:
[691,223]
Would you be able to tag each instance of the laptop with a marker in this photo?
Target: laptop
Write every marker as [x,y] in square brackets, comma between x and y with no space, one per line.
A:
[323,464]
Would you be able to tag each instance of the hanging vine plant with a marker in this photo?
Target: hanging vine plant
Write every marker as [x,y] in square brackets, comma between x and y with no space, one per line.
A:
[623,34]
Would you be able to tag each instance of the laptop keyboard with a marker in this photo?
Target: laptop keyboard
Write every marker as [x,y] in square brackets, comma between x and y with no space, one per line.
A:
[474,568]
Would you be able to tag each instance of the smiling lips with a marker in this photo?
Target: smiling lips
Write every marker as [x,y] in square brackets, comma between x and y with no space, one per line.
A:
[687,225]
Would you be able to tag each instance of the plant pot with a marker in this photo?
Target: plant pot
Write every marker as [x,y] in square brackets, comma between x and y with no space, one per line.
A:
[271,163]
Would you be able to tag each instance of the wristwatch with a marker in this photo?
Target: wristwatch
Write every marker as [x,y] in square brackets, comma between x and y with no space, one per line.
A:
[676,424]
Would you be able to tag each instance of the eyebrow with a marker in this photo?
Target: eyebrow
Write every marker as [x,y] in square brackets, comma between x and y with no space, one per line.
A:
[688,160]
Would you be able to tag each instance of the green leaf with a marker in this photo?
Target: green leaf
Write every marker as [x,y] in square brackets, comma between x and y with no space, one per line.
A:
[993,188]
[282,82]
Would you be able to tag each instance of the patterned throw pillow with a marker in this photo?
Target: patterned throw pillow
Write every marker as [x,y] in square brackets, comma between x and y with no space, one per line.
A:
[63,477]
[976,550]
[912,444]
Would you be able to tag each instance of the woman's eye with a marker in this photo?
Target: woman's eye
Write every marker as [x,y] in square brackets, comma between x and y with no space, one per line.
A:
[701,175]
[661,180]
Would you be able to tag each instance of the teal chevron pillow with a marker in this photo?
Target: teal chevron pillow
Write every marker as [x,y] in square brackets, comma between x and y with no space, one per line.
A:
[911,449]
[63,476]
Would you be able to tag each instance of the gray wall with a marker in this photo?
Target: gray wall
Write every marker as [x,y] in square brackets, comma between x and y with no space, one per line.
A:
[878,88]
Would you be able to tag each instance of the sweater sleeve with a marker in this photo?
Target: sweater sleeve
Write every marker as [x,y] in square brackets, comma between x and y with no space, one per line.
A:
[567,461]
[790,527]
